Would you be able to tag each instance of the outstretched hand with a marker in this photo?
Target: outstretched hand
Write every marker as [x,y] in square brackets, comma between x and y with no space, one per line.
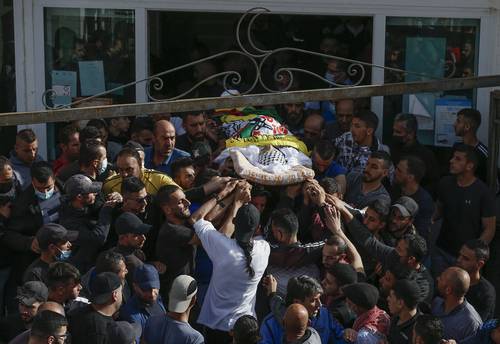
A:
[332,219]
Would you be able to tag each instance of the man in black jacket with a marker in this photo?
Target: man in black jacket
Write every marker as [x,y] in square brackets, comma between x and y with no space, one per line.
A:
[409,251]
[37,205]
[75,215]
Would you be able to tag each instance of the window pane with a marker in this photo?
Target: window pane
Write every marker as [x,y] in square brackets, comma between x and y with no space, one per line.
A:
[173,43]
[89,51]
[437,47]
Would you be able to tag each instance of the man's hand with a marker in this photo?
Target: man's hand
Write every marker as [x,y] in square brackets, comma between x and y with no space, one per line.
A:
[243,192]
[332,219]
[228,187]
[316,194]
[113,199]
[270,283]
[216,184]
[350,335]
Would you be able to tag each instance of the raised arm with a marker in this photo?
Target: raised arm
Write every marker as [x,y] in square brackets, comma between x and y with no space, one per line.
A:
[210,204]
[333,222]
[242,195]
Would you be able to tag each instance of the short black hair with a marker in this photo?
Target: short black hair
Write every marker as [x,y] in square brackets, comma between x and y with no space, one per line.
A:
[90,132]
[99,123]
[47,323]
[368,117]
[109,261]
[129,152]
[286,220]
[470,153]
[164,193]
[337,240]
[246,330]
[382,208]
[60,274]
[141,123]
[480,248]
[417,247]
[325,149]
[400,271]
[41,171]
[472,116]
[416,167]
[410,300]
[26,135]
[300,288]
[429,328]
[330,185]
[382,155]
[180,163]
[90,150]
[66,132]
[409,120]
[204,176]
[131,184]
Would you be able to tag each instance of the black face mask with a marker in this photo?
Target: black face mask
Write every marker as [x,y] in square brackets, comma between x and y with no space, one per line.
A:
[6,187]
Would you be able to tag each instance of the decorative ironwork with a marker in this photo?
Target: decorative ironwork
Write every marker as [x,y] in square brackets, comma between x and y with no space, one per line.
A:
[257,58]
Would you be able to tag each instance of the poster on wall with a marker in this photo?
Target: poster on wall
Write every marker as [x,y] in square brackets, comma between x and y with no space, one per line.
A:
[91,77]
[425,57]
[64,86]
[446,115]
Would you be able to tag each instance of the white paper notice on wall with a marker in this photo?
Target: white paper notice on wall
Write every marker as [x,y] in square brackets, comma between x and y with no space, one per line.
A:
[62,90]
[91,77]
[446,115]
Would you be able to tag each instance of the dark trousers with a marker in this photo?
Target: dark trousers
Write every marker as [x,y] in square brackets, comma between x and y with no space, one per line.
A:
[216,336]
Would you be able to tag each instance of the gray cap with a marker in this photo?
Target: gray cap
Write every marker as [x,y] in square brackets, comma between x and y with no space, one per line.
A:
[123,332]
[407,206]
[31,292]
[80,184]
[53,233]
[181,293]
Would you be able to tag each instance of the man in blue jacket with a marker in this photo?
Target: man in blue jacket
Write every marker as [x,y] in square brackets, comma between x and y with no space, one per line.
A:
[306,291]
[146,302]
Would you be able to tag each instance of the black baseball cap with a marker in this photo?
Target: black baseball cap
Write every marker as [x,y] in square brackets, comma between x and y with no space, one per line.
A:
[102,286]
[123,332]
[53,233]
[129,223]
[362,294]
[80,184]
[407,206]
[31,292]
[246,222]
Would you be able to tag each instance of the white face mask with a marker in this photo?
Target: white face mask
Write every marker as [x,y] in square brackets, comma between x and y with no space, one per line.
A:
[103,166]
[44,195]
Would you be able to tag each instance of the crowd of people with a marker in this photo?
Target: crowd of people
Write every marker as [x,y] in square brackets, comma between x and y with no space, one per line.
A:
[134,235]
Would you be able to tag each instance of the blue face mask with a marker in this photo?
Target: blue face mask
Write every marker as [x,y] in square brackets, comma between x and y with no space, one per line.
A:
[44,195]
[103,166]
[63,255]
[329,76]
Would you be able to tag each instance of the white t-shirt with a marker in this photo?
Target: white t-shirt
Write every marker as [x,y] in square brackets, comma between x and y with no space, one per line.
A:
[231,292]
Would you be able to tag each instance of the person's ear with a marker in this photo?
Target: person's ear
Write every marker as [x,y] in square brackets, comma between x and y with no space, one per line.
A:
[480,264]
[369,131]
[51,339]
